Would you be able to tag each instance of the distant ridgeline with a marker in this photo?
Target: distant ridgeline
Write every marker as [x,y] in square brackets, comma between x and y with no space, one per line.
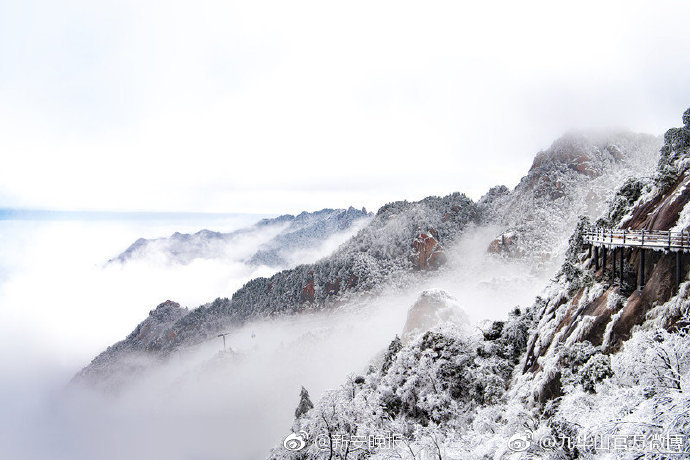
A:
[405,241]
[281,235]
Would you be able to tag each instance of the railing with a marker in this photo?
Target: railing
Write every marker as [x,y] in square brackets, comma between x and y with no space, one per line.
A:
[656,239]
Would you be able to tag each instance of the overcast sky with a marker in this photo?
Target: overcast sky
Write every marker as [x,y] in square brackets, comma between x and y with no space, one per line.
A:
[284,106]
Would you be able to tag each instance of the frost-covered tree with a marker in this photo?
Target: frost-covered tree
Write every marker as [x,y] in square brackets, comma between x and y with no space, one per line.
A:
[393,349]
[673,153]
[426,393]
[623,201]
[304,404]
[658,359]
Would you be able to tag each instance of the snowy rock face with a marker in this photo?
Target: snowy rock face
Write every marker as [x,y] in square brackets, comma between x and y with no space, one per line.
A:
[574,177]
[427,251]
[432,309]
[282,236]
[506,243]
[591,305]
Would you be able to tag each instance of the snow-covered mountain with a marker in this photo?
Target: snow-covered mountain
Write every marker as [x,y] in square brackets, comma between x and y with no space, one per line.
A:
[402,243]
[452,389]
[274,242]
[128,357]
[595,368]
[574,177]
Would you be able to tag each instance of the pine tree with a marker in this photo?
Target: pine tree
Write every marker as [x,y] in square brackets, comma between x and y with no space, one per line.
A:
[393,349]
[304,403]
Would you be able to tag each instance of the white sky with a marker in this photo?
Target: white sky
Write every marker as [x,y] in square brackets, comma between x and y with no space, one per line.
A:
[285,106]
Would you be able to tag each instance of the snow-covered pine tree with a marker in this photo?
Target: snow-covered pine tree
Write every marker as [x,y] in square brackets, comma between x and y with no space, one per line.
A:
[305,403]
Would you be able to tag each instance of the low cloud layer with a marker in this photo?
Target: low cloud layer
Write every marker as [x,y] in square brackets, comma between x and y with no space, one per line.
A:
[201,404]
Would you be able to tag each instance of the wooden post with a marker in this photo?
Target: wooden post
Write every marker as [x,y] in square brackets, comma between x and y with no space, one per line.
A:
[603,257]
[640,271]
[679,256]
[613,264]
[622,271]
[596,258]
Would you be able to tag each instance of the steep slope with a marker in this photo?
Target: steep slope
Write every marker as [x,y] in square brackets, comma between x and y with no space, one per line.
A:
[110,369]
[574,177]
[381,253]
[593,369]
[279,237]
[590,304]
[416,397]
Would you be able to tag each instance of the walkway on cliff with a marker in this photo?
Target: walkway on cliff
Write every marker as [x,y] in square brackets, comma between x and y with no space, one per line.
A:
[600,240]
[659,240]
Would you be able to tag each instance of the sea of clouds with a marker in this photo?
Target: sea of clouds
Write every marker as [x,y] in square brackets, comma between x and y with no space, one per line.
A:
[61,305]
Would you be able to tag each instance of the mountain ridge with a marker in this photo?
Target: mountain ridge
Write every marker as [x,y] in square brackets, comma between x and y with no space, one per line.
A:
[280,236]
[388,251]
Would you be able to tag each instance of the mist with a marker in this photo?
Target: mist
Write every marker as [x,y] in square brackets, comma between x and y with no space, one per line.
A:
[64,306]
[268,107]
[271,107]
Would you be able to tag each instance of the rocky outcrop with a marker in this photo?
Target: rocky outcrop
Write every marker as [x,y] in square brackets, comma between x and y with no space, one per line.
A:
[662,211]
[575,153]
[427,252]
[505,244]
[308,293]
[574,177]
[434,307]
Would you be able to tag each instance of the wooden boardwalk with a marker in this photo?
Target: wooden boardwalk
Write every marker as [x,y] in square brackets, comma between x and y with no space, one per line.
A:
[659,240]
[604,240]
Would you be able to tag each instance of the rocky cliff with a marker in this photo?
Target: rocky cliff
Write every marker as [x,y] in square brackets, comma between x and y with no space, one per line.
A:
[596,306]
[574,177]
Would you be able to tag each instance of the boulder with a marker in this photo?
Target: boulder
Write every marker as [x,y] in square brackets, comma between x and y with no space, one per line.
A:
[427,252]
[505,243]
[433,307]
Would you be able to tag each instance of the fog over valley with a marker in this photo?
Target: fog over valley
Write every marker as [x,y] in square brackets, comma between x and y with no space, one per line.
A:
[309,230]
[202,402]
